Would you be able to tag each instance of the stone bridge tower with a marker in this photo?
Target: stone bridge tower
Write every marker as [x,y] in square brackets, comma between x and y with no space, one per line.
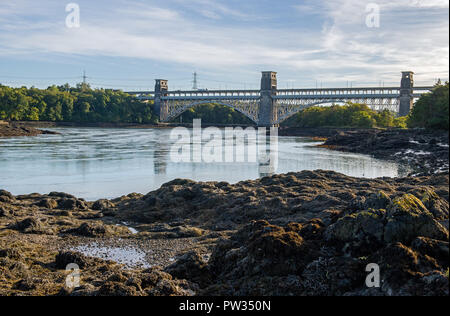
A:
[161,88]
[267,111]
[406,93]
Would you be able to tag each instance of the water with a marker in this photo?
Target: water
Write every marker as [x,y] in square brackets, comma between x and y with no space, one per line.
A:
[95,163]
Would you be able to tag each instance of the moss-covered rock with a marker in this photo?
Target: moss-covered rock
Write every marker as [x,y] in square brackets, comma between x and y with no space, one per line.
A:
[407,218]
[363,225]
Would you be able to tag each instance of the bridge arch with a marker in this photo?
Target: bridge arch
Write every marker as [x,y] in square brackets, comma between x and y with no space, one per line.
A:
[179,111]
[300,108]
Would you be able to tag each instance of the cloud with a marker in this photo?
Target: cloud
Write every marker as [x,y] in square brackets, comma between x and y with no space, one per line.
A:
[205,34]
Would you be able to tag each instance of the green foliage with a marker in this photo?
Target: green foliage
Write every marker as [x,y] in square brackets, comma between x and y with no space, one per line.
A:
[79,104]
[431,110]
[401,122]
[214,114]
[349,115]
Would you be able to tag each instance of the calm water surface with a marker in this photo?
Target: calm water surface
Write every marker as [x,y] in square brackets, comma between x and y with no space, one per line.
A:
[95,163]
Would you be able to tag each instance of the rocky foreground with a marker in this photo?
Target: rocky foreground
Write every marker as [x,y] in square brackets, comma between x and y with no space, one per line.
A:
[306,233]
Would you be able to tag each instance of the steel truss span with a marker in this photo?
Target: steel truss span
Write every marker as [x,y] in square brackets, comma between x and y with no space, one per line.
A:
[270,106]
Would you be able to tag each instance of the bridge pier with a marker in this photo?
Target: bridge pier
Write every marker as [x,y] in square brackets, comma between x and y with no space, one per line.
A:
[267,109]
[406,93]
[161,88]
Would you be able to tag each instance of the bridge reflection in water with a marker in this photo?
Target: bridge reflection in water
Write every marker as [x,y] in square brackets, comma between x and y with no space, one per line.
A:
[270,106]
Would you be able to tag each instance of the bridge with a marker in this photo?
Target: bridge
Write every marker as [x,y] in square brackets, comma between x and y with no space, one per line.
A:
[271,106]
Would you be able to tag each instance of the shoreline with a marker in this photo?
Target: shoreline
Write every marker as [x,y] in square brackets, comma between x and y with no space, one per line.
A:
[9,130]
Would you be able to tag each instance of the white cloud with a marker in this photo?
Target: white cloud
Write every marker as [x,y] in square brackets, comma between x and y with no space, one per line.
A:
[413,35]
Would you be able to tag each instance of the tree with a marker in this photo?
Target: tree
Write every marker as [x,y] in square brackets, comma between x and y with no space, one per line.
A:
[432,109]
[362,119]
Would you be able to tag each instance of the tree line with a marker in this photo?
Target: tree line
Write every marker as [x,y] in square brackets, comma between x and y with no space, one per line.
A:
[72,104]
[348,115]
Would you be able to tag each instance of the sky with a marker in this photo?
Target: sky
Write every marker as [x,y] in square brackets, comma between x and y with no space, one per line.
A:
[310,43]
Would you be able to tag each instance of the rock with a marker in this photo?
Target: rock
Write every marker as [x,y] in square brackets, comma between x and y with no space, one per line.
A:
[116,289]
[401,267]
[192,267]
[31,225]
[93,230]
[71,204]
[187,232]
[83,290]
[408,218]
[47,203]
[405,219]
[64,258]
[258,259]
[26,284]
[312,230]
[377,201]
[434,248]
[6,194]
[437,206]
[11,253]
[5,199]
[61,195]
[363,230]
[102,205]
[4,212]
[332,276]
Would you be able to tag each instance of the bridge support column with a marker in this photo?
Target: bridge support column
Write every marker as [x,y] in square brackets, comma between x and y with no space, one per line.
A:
[161,88]
[267,110]
[406,93]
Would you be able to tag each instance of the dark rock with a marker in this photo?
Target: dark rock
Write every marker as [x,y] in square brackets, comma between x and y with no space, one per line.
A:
[5,199]
[102,205]
[61,195]
[71,204]
[27,284]
[192,267]
[92,230]
[11,253]
[116,289]
[31,225]
[408,218]
[64,258]
[4,212]
[7,194]
[47,203]
[364,230]
[434,248]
